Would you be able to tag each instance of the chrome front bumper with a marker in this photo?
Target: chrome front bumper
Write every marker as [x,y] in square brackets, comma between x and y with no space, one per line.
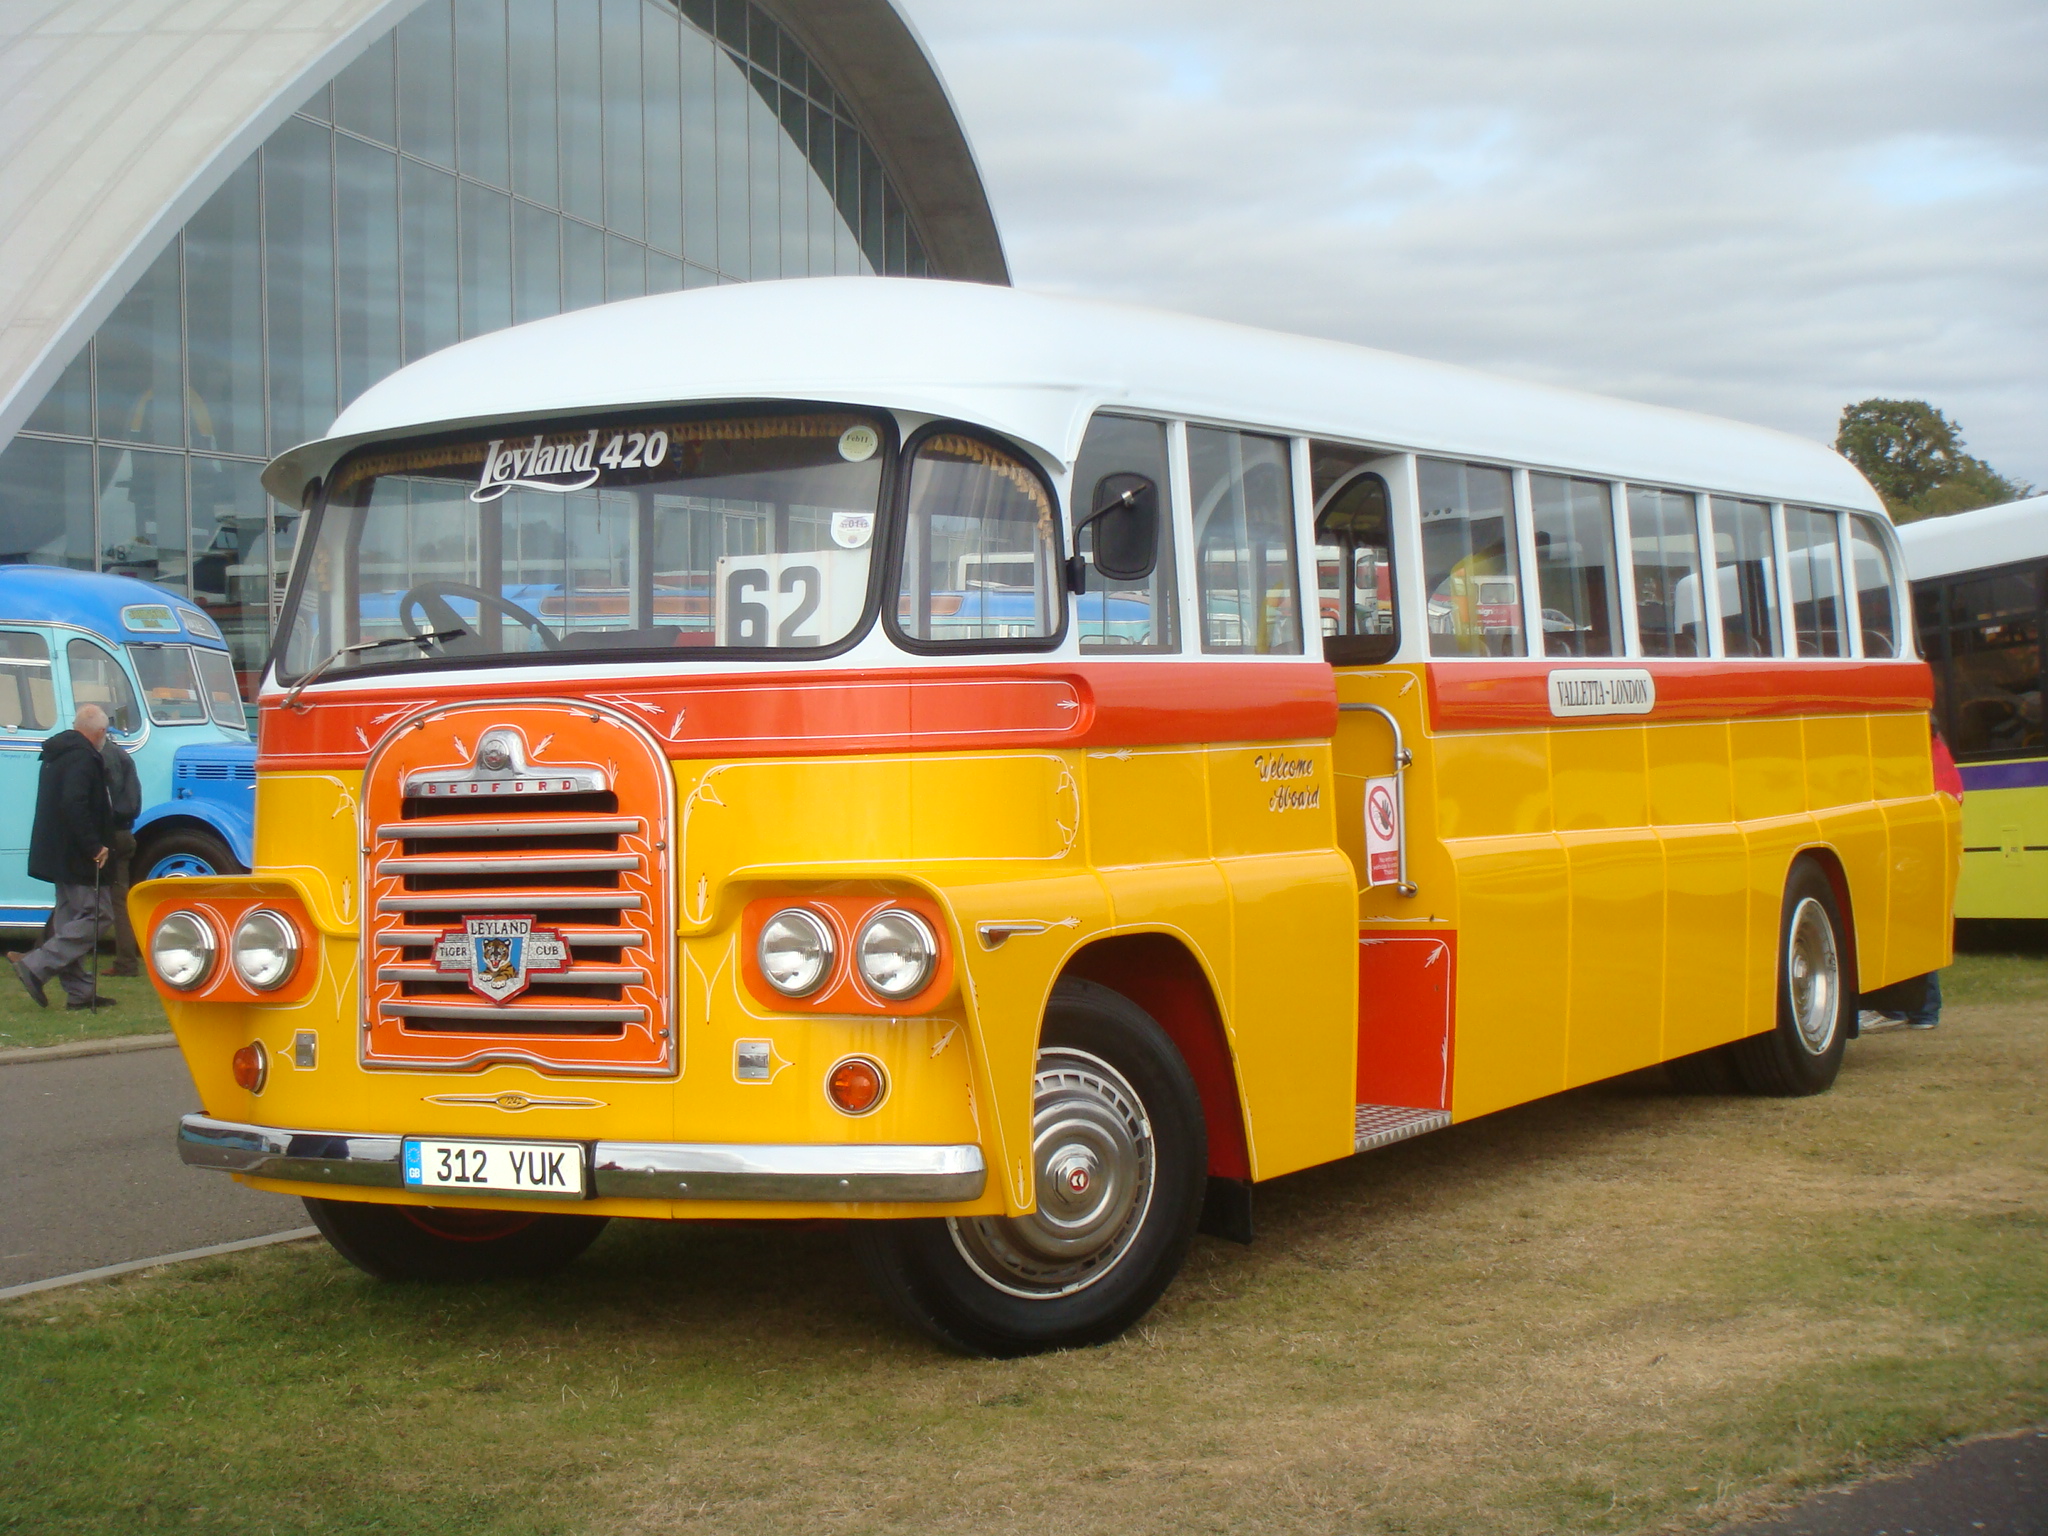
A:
[633,1170]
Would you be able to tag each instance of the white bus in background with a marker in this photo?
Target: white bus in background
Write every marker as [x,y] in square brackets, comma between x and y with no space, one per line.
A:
[1980,588]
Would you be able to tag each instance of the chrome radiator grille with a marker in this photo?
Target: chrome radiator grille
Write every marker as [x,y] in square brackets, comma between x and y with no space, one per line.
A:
[507,842]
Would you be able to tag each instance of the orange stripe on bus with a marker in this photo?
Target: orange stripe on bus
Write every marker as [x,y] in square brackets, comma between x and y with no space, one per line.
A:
[1480,695]
[1093,704]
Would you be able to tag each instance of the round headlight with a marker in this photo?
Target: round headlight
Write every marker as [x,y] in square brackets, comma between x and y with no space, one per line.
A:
[795,952]
[897,951]
[264,950]
[182,950]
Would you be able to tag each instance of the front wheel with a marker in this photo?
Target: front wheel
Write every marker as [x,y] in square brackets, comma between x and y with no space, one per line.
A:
[1120,1158]
[410,1242]
[187,851]
[1803,1053]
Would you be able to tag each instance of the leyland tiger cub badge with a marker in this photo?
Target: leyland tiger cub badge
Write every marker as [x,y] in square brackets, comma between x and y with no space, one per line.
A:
[497,956]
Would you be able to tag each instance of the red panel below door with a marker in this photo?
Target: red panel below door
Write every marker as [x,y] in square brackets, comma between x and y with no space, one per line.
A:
[1407,985]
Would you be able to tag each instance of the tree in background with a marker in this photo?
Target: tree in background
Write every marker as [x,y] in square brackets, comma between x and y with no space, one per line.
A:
[1914,456]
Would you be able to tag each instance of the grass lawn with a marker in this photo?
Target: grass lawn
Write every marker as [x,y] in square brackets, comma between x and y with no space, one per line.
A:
[22,1023]
[1618,1310]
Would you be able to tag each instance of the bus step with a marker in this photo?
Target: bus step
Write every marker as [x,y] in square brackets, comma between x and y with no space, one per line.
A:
[1379,1125]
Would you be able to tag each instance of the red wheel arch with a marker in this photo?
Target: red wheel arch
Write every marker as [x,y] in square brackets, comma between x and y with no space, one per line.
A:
[1160,975]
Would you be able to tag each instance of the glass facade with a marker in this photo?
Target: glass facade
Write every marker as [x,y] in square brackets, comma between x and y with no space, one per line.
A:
[484,163]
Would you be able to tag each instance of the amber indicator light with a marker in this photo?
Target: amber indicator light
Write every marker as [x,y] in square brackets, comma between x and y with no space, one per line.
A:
[252,1067]
[855,1085]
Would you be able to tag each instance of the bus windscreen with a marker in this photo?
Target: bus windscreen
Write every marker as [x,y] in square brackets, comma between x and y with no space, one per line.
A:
[739,533]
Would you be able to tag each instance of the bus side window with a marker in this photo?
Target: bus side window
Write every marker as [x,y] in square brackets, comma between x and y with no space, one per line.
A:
[980,563]
[1930,623]
[1873,568]
[1746,576]
[1664,536]
[1470,574]
[1355,570]
[1125,615]
[1995,638]
[28,693]
[96,678]
[1249,589]
[1575,566]
[1816,582]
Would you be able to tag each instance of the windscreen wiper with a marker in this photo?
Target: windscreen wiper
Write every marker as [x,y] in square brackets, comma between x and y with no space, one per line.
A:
[432,637]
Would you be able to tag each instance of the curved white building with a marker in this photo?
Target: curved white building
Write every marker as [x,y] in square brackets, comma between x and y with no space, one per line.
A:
[220,224]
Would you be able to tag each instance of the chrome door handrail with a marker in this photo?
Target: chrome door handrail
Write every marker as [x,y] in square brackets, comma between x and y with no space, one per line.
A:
[1402,759]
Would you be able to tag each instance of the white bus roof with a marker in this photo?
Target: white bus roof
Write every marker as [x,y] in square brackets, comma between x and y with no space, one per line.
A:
[1973,541]
[1035,367]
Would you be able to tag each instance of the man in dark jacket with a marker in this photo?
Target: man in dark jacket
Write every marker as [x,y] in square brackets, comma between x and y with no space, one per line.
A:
[68,846]
[124,794]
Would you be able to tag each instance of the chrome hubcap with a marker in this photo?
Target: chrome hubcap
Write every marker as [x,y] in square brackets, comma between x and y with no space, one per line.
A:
[1814,973]
[1092,1156]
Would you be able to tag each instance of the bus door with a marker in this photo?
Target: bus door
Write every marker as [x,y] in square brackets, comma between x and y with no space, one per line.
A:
[1406,970]
[28,714]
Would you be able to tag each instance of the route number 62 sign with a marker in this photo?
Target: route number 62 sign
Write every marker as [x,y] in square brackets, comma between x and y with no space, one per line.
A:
[808,598]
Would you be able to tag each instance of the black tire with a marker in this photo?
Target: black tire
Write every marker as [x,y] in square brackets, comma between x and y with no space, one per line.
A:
[185,848]
[1791,1061]
[410,1242]
[987,1285]
[1709,1071]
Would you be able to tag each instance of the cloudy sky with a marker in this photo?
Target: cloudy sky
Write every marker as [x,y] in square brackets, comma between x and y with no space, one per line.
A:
[1760,208]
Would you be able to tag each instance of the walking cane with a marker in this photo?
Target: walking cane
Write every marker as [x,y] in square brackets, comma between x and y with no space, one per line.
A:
[95,937]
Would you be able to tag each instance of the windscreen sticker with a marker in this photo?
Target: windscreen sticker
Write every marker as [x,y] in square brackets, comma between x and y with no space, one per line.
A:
[858,444]
[566,466]
[538,466]
[852,530]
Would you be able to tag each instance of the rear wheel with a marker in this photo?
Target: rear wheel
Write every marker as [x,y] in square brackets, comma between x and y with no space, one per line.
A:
[1120,1158]
[186,851]
[410,1242]
[1803,1053]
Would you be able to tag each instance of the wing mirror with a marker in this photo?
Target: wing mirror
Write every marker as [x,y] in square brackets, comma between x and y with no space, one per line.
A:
[1126,524]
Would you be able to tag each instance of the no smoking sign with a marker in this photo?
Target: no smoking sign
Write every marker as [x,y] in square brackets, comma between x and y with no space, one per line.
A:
[1382,832]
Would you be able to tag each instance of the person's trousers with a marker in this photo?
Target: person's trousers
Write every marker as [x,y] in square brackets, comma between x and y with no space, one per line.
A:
[115,884]
[74,934]
[1928,1014]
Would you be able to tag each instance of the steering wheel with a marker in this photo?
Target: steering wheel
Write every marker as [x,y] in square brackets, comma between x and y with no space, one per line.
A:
[429,600]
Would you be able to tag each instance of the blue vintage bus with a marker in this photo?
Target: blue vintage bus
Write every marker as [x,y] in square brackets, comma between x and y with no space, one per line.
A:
[158,666]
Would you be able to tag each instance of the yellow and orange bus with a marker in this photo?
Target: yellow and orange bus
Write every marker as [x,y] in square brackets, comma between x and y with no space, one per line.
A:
[1015,774]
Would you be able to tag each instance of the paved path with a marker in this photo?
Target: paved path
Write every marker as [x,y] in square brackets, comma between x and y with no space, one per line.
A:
[89,1173]
[1993,1487]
